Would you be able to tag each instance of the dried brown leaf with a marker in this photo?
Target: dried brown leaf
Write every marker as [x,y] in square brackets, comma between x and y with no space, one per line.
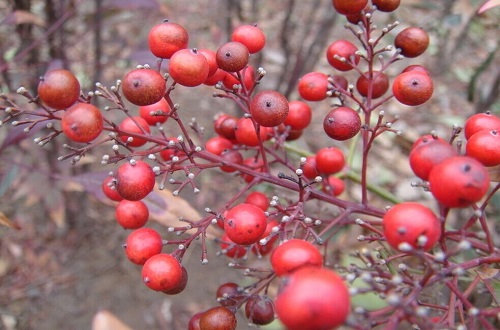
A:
[5,221]
[488,5]
[491,280]
[105,320]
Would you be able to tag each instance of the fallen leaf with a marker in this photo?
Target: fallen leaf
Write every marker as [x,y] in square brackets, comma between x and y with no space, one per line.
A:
[5,221]
[488,5]
[105,320]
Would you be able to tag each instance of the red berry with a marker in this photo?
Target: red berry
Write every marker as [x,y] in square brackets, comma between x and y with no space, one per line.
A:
[377,84]
[181,285]
[246,133]
[313,86]
[413,88]
[231,249]
[479,122]
[217,77]
[210,56]
[412,41]
[225,126]
[413,224]
[194,321]
[188,67]
[132,214]
[343,49]
[269,108]
[251,36]
[426,139]
[312,298]
[218,318]
[259,310]
[228,294]
[230,157]
[459,181]
[334,186]
[342,123]
[232,56]
[109,189]
[162,272]
[349,7]
[299,115]
[386,5]
[268,247]
[485,147]
[135,125]
[143,86]
[310,169]
[330,160]
[142,244]
[82,122]
[294,254]
[59,89]
[259,199]
[256,164]
[217,145]
[161,110]
[167,38]
[247,74]
[244,224]
[339,82]
[417,68]
[428,154]
[134,181]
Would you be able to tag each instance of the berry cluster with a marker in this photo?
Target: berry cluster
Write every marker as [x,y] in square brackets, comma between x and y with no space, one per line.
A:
[408,251]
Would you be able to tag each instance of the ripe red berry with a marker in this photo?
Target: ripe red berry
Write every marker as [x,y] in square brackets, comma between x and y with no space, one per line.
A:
[247,74]
[269,108]
[109,189]
[342,123]
[251,36]
[413,224]
[217,145]
[330,160]
[485,147]
[232,56]
[231,249]
[349,7]
[132,214]
[412,41]
[166,38]
[135,180]
[339,82]
[194,321]
[313,298]
[218,318]
[412,88]
[310,169]
[268,246]
[459,181]
[210,56]
[82,122]
[142,244]
[244,224]
[334,186]
[426,139]
[259,199]
[135,125]
[259,310]
[479,122]
[188,67]
[143,86]
[386,5]
[181,285]
[299,115]
[313,86]
[59,89]
[256,164]
[342,49]
[416,67]
[160,110]
[225,126]
[428,154]
[162,272]
[294,254]
[229,158]
[377,84]
[217,77]
[228,294]
[247,135]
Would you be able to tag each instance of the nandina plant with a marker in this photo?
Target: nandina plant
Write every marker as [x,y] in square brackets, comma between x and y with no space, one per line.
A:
[290,211]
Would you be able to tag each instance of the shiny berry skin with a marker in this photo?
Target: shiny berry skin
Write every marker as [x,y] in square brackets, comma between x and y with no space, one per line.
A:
[162,272]
[161,107]
[244,224]
[334,186]
[310,169]
[330,160]
[339,82]
[417,68]
[413,88]
[109,189]
[134,182]
[379,84]
[411,223]
[210,56]
[428,154]
[188,67]
[294,254]
[143,86]
[142,244]
[479,122]
[82,122]
[225,126]
[386,5]
[349,7]
[256,164]
[59,89]
[246,133]
[218,318]
[313,86]
[194,321]
[232,250]
[269,108]
[299,115]
[166,38]
[251,36]
[217,77]
[342,123]
[228,294]
[181,285]
[485,147]
[136,125]
[217,145]
[459,181]
[312,298]
[412,41]
[259,199]
[132,214]
[247,75]
[230,157]
[345,49]
[259,310]
[232,56]
[426,139]
[264,249]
